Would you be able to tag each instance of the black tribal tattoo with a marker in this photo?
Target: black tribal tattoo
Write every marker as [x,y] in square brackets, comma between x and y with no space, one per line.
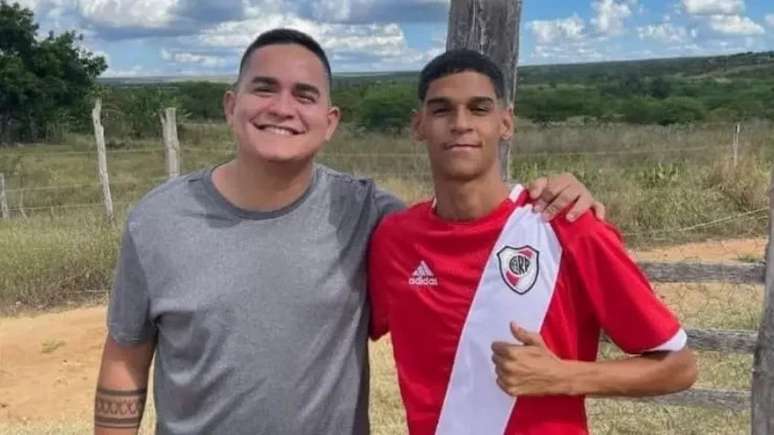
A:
[119,409]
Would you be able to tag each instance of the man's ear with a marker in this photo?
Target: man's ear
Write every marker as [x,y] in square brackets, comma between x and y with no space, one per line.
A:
[507,127]
[334,116]
[416,125]
[229,102]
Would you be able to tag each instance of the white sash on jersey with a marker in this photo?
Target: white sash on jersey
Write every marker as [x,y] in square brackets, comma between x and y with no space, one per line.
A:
[474,404]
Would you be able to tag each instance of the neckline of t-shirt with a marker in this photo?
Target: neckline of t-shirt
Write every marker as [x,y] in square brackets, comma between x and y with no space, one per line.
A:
[505,207]
[237,211]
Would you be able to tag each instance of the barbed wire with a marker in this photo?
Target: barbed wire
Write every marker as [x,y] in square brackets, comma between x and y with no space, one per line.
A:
[745,215]
[408,174]
[65,206]
[80,186]
[515,152]
[739,216]
[76,153]
[377,155]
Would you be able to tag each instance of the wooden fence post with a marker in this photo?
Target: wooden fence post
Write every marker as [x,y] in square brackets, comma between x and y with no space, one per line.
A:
[735,145]
[490,27]
[171,142]
[3,201]
[104,179]
[763,367]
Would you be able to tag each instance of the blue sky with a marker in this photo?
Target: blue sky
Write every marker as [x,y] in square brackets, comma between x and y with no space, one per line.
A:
[201,37]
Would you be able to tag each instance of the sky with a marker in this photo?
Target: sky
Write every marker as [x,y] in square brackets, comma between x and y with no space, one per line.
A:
[207,37]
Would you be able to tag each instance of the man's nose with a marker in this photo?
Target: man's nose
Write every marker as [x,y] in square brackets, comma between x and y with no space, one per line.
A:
[461,121]
[282,105]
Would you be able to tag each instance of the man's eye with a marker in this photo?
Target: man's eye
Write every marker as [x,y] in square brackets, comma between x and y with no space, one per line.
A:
[480,109]
[307,98]
[263,90]
[439,111]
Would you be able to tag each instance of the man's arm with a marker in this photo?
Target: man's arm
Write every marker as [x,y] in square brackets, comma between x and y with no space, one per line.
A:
[119,401]
[532,369]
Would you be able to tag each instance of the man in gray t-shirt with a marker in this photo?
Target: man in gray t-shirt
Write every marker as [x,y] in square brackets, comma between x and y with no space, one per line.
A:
[247,281]
[259,316]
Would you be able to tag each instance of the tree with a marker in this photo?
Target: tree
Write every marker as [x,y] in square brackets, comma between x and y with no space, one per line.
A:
[387,108]
[43,83]
[660,88]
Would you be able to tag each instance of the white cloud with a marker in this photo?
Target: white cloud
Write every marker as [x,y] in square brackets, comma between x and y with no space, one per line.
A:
[374,11]
[29,4]
[553,31]
[128,13]
[134,71]
[567,53]
[101,53]
[335,10]
[770,20]
[665,32]
[735,25]
[376,39]
[610,15]
[200,59]
[349,46]
[714,7]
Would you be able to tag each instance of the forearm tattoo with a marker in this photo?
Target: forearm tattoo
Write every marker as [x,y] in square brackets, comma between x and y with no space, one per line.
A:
[119,409]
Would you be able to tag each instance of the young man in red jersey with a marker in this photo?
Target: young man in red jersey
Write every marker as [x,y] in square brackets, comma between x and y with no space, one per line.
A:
[494,313]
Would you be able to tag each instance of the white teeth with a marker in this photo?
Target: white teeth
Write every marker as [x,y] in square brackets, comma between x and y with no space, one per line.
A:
[278,130]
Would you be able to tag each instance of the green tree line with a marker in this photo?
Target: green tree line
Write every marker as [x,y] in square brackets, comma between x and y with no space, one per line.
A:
[47,86]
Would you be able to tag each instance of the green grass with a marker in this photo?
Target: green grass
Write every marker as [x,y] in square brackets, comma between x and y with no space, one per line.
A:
[657,187]
[661,185]
[50,346]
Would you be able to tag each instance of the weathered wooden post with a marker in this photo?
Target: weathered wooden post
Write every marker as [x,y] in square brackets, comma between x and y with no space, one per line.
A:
[3,201]
[490,27]
[763,367]
[104,179]
[735,144]
[171,142]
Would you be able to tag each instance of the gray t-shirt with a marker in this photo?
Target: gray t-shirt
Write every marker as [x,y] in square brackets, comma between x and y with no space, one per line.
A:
[260,318]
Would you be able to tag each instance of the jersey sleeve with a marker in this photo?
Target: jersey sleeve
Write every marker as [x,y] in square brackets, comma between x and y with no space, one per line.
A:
[129,321]
[386,203]
[621,297]
[377,289]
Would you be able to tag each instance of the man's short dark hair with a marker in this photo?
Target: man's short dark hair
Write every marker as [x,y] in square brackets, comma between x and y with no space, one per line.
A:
[285,36]
[457,61]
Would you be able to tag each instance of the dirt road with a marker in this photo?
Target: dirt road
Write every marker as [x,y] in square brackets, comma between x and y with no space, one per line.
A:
[49,362]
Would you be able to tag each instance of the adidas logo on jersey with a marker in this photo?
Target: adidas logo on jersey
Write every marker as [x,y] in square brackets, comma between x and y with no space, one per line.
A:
[423,276]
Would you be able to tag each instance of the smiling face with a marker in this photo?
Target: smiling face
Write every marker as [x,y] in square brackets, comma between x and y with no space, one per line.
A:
[462,121]
[281,109]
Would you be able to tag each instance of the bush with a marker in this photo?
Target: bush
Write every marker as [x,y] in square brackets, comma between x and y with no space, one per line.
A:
[386,108]
[674,110]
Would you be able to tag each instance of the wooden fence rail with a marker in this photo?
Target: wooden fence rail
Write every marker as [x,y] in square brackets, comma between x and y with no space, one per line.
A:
[760,343]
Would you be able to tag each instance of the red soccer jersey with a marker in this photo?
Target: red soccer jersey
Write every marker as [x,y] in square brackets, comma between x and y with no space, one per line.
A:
[446,290]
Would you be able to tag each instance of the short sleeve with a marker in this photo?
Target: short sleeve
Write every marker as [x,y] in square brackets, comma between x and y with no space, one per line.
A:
[128,311]
[377,289]
[621,297]
[386,203]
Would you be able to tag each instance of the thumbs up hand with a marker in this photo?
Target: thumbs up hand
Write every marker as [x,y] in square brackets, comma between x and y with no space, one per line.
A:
[530,368]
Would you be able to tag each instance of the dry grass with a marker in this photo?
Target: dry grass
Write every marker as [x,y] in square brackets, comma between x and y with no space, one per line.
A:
[698,305]
[55,254]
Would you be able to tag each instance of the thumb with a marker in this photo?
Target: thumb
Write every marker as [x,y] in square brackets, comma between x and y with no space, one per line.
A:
[536,187]
[525,337]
